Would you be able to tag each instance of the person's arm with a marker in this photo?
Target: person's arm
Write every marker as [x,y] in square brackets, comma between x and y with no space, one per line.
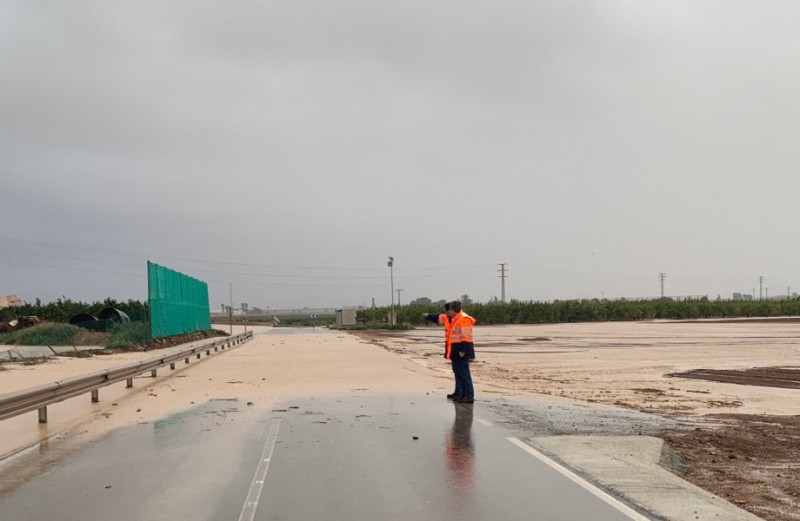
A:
[432,317]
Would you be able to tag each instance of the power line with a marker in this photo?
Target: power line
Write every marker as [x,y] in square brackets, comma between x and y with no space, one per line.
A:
[231,263]
[196,270]
[72,268]
[66,257]
[257,283]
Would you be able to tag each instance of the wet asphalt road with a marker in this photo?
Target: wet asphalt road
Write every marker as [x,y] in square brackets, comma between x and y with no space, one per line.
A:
[361,457]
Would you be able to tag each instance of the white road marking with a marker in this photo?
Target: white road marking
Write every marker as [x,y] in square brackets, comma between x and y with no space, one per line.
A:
[264,430]
[483,422]
[619,505]
[253,496]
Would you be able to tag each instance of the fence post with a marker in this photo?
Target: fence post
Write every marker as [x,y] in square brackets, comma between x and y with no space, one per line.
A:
[95,396]
[129,383]
[42,414]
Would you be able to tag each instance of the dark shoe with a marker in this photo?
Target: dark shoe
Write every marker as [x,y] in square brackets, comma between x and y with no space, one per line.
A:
[453,396]
[464,400]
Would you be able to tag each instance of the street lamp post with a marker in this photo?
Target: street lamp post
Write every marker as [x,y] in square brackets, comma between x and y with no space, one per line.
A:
[391,278]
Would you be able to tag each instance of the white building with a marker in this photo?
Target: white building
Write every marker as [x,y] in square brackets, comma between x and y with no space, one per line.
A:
[10,301]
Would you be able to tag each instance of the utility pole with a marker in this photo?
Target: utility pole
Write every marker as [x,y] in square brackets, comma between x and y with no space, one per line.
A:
[230,308]
[398,297]
[788,292]
[503,276]
[391,278]
[760,287]
[662,277]
[766,293]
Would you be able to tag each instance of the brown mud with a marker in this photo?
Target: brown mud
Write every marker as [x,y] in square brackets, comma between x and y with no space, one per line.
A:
[734,383]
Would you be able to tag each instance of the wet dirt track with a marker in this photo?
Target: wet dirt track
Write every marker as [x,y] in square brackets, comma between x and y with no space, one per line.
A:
[784,377]
[356,457]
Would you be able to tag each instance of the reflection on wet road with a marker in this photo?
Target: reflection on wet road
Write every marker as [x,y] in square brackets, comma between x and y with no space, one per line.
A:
[460,452]
[358,457]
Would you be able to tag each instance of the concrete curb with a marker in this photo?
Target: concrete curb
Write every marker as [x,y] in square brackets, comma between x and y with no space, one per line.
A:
[60,350]
[631,467]
[26,352]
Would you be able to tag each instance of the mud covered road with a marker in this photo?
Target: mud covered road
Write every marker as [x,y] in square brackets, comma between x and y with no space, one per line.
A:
[733,384]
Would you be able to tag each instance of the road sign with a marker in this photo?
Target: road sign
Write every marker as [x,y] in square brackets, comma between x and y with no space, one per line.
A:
[313,315]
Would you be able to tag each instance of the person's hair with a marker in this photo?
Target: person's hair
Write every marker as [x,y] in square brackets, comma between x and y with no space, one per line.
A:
[447,306]
[456,306]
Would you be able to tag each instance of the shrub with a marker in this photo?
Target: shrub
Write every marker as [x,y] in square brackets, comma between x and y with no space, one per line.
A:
[42,335]
[132,334]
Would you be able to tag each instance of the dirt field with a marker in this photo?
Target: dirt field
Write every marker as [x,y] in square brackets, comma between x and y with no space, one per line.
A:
[734,383]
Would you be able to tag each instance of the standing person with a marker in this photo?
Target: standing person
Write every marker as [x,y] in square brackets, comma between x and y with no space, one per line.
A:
[443,319]
[458,330]
[462,350]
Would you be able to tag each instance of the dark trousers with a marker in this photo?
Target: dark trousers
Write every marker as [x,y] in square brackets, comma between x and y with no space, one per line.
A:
[464,387]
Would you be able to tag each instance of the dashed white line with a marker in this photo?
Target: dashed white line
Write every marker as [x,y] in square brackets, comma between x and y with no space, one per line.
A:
[619,505]
[254,495]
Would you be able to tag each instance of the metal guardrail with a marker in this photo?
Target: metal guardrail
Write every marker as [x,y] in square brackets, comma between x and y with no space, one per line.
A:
[26,400]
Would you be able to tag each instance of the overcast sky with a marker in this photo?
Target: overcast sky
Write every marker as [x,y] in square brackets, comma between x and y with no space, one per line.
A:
[291,146]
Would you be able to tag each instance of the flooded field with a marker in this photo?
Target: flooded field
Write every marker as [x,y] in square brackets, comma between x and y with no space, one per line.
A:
[734,384]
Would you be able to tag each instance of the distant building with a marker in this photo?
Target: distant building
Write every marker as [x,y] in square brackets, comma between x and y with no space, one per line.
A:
[10,301]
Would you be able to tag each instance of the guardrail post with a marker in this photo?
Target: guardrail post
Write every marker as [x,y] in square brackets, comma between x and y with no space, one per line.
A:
[208,352]
[154,373]
[172,365]
[42,414]
[129,383]
[95,396]
[216,348]
[186,360]
[198,356]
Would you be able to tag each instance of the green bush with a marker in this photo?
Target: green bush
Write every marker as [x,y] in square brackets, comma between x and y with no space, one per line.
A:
[42,335]
[132,334]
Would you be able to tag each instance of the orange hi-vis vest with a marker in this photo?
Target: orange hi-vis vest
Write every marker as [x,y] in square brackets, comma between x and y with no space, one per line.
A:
[460,330]
[444,321]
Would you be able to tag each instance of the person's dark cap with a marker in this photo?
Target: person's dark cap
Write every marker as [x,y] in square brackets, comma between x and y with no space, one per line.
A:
[455,306]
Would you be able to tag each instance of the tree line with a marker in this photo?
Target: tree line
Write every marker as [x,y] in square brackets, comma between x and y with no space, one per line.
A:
[514,312]
[559,311]
[62,310]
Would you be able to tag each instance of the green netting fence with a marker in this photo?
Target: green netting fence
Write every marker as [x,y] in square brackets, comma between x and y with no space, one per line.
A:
[178,302]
